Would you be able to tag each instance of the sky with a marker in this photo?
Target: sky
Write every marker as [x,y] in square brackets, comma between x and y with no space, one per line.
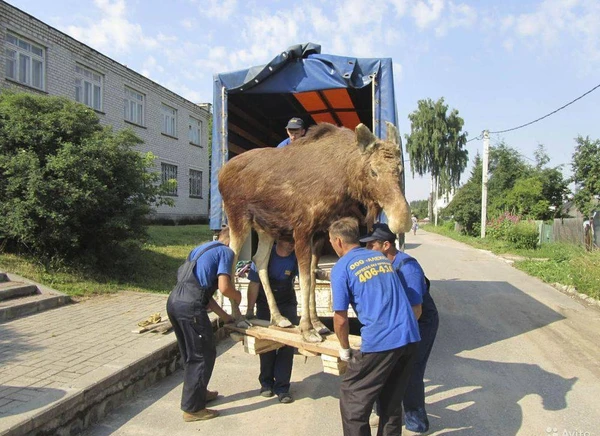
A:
[500,63]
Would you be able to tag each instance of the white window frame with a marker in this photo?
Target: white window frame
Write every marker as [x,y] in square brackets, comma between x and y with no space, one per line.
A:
[89,87]
[169,120]
[195,183]
[168,172]
[195,131]
[25,61]
[135,106]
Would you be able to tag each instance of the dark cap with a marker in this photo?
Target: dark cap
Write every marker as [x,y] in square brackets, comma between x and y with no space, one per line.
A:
[295,123]
[381,232]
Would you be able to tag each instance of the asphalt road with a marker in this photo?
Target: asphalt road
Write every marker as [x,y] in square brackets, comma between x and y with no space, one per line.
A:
[513,357]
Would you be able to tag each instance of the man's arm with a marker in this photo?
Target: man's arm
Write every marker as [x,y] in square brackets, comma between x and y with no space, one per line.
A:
[253,288]
[417,310]
[341,326]
[214,306]
[228,290]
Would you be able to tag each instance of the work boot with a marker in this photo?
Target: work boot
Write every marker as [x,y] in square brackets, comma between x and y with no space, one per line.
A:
[266,392]
[200,415]
[211,395]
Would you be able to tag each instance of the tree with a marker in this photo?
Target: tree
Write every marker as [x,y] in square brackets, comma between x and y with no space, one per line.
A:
[465,207]
[586,174]
[70,188]
[419,208]
[435,145]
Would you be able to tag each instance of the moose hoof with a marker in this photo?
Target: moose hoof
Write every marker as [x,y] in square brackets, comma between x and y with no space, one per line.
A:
[321,328]
[283,322]
[311,336]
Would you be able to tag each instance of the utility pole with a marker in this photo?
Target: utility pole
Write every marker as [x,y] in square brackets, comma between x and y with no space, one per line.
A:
[484,180]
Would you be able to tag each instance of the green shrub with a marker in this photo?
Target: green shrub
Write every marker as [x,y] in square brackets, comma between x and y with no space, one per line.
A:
[523,234]
[70,188]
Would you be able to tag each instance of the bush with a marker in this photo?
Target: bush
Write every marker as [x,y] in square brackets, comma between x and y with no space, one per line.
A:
[499,228]
[523,234]
[70,188]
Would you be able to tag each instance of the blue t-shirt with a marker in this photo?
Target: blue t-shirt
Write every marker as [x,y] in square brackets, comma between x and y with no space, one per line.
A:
[286,141]
[366,280]
[210,265]
[280,268]
[412,277]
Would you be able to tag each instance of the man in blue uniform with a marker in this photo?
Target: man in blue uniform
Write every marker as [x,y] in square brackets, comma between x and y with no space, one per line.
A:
[276,366]
[295,129]
[417,290]
[207,268]
[380,370]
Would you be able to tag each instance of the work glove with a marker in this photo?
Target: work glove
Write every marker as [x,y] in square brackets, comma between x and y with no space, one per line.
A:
[345,354]
[321,274]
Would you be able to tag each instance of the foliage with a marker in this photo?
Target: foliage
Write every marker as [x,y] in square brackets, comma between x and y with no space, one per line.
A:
[436,143]
[499,227]
[419,208]
[586,174]
[70,188]
[465,207]
[523,234]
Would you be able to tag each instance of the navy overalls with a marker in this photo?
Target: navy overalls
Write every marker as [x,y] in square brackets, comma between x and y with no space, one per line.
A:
[186,308]
[276,366]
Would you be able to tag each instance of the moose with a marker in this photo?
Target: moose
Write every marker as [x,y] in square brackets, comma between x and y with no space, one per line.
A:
[300,190]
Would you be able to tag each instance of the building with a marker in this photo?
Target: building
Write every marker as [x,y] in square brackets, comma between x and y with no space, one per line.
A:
[38,58]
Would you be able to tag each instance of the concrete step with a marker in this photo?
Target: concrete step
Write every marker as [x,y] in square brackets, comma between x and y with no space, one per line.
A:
[21,297]
[10,290]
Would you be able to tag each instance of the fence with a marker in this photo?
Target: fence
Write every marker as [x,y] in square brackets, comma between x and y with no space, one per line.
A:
[570,231]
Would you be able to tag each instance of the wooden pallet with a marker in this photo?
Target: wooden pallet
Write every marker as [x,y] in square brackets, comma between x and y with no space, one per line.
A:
[262,337]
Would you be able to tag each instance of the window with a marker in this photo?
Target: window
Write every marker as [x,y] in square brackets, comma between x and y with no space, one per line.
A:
[195,131]
[195,183]
[169,120]
[88,87]
[24,61]
[134,106]
[169,172]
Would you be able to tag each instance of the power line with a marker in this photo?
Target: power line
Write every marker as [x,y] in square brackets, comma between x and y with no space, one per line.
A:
[547,115]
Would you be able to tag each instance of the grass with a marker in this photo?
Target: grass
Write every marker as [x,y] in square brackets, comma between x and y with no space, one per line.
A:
[553,263]
[152,268]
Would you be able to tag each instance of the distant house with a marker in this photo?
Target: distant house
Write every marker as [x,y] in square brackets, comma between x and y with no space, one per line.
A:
[40,59]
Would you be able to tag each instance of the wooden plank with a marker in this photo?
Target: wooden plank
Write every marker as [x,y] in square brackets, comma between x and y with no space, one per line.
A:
[292,337]
[333,365]
[256,346]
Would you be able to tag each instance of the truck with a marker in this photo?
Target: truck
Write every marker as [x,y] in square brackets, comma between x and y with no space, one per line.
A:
[252,106]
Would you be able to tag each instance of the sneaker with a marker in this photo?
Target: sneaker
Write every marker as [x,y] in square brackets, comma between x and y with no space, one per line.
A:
[266,392]
[200,415]
[285,398]
[211,395]
[416,420]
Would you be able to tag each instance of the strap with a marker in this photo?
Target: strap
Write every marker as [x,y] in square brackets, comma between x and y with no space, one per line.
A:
[210,247]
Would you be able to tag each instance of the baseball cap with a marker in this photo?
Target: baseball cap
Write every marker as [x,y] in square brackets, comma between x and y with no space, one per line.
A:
[295,123]
[381,232]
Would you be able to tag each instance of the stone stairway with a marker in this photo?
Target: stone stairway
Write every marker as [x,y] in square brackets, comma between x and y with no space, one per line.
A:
[20,297]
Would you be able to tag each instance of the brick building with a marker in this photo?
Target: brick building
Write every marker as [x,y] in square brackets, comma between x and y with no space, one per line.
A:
[37,58]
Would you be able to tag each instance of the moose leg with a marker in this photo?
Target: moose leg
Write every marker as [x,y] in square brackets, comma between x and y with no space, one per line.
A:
[261,260]
[303,254]
[238,233]
[317,247]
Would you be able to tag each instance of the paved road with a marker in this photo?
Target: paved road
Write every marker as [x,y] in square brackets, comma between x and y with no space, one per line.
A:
[513,357]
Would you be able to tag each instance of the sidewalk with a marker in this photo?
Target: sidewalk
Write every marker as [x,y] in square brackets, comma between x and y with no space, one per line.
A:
[63,368]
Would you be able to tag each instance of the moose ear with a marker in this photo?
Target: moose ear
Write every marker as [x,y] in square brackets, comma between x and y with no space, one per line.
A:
[364,137]
[392,134]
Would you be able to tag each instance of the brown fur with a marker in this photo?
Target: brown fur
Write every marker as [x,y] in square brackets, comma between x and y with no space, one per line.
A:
[300,189]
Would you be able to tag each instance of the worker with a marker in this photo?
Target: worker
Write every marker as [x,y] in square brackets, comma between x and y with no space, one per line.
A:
[207,268]
[416,286]
[276,366]
[295,129]
[389,333]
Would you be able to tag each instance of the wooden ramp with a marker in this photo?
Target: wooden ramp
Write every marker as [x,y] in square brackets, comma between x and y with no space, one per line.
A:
[263,337]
